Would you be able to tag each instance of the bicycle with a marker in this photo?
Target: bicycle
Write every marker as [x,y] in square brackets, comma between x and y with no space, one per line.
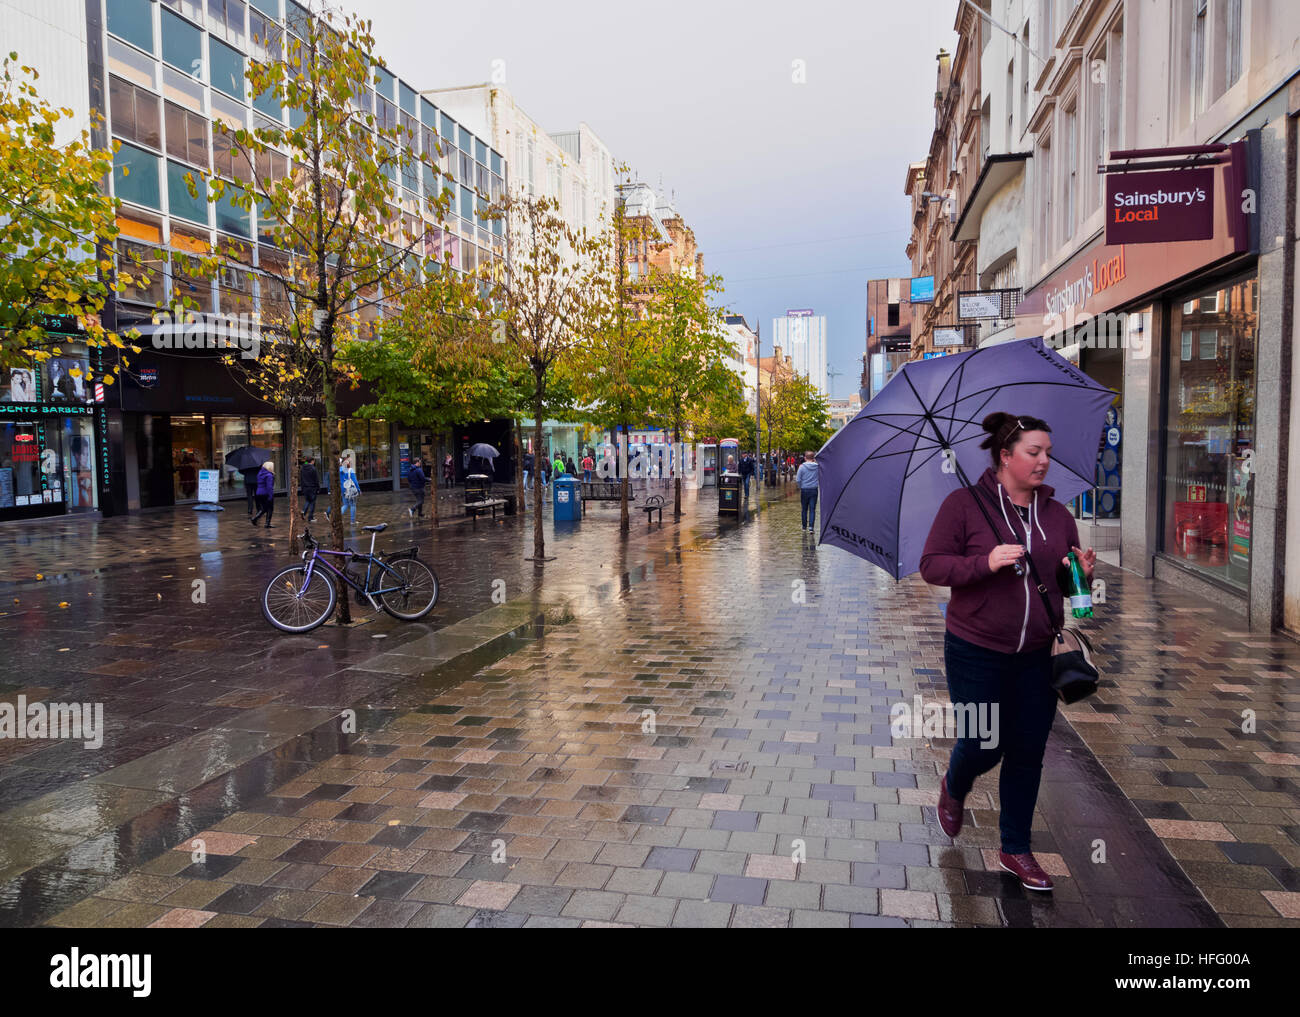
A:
[302,597]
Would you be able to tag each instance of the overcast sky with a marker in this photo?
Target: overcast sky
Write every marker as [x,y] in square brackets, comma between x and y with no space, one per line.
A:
[795,191]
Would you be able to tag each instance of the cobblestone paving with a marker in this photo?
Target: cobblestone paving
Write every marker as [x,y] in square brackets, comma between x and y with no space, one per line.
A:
[770,791]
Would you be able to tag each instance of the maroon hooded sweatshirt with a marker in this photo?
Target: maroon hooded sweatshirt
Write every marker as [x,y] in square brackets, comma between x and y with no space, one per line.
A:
[999,610]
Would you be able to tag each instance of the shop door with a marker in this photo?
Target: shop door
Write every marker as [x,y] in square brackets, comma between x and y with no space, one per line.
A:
[189,455]
[153,443]
[77,468]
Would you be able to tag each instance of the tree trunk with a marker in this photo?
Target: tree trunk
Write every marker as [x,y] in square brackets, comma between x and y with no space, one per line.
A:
[677,474]
[623,522]
[294,469]
[435,471]
[336,492]
[539,540]
[520,501]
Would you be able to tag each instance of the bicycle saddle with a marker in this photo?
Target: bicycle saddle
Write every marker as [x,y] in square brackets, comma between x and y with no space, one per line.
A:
[377,528]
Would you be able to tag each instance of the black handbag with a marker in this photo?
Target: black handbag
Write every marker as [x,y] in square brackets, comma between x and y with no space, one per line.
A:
[1074,675]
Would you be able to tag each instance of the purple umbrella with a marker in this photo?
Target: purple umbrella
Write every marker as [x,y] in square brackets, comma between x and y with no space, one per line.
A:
[884,475]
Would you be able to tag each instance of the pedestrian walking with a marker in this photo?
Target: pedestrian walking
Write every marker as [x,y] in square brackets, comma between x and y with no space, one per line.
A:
[417,480]
[569,467]
[449,471]
[348,485]
[309,488]
[265,493]
[588,465]
[546,474]
[250,487]
[746,471]
[528,468]
[558,465]
[789,465]
[998,636]
[807,479]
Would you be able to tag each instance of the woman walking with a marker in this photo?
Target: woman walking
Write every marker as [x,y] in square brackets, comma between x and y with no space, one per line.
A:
[265,493]
[998,638]
[348,485]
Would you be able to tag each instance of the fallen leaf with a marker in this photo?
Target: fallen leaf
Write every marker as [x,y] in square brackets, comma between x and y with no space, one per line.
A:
[39,576]
[158,595]
[64,649]
[63,603]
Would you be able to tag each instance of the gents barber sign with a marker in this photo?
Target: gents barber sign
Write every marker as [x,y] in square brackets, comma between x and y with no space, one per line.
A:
[1168,205]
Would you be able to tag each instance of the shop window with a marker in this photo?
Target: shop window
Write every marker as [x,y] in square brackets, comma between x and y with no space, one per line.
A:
[20,478]
[228,434]
[132,20]
[268,433]
[1209,433]
[309,442]
[381,448]
[135,176]
[135,113]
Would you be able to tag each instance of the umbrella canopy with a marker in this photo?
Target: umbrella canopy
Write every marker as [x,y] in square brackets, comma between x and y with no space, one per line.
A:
[483,451]
[884,475]
[248,457]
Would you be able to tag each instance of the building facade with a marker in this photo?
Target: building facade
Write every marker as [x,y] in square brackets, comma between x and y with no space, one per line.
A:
[802,334]
[1194,330]
[161,74]
[889,330]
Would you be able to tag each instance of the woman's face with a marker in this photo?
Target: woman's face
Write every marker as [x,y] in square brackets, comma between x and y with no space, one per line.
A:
[1026,464]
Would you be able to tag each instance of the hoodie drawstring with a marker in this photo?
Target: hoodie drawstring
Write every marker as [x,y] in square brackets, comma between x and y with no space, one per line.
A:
[1034,506]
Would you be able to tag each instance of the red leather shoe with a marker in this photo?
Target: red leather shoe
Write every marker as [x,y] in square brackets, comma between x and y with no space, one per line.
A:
[950,810]
[1026,868]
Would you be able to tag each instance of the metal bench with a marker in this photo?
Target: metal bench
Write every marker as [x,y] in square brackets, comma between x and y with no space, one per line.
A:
[604,490]
[474,509]
[655,503]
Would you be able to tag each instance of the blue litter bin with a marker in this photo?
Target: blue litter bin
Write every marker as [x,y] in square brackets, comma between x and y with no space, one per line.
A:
[567,499]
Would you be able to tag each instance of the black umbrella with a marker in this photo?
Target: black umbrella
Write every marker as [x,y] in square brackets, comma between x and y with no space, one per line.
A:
[248,457]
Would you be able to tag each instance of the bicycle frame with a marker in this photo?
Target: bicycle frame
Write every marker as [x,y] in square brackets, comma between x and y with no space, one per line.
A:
[312,556]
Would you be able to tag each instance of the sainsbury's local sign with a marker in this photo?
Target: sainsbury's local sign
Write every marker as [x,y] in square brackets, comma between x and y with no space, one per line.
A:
[1158,207]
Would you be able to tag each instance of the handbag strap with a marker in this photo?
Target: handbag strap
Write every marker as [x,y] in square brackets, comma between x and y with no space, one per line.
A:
[1033,570]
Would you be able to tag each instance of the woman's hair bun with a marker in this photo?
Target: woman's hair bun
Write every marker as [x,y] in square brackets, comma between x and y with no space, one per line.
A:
[993,423]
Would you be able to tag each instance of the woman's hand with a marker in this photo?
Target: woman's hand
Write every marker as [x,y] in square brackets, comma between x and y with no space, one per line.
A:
[1088,559]
[1005,554]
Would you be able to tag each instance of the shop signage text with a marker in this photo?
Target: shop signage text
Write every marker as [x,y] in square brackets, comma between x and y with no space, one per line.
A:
[1094,277]
[1159,207]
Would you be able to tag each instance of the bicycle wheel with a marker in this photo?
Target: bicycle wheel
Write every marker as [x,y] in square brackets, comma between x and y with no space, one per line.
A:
[292,603]
[419,589]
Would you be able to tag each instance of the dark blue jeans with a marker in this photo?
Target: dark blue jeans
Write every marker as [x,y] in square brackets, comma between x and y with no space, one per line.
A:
[808,506]
[1021,686]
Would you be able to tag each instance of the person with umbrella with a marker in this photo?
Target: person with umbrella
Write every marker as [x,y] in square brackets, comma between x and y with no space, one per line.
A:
[998,638]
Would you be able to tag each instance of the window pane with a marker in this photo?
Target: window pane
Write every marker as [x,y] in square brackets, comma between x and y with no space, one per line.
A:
[309,430]
[381,448]
[228,434]
[359,443]
[269,104]
[135,176]
[270,8]
[230,217]
[182,89]
[182,44]
[130,64]
[268,433]
[227,69]
[144,265]
[132,20]
[180,202]
[192,9]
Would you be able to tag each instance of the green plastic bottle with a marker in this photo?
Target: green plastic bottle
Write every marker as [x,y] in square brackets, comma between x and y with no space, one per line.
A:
[1080,593]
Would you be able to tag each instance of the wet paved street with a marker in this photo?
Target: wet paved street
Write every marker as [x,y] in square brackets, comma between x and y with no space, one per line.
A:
[688,728]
